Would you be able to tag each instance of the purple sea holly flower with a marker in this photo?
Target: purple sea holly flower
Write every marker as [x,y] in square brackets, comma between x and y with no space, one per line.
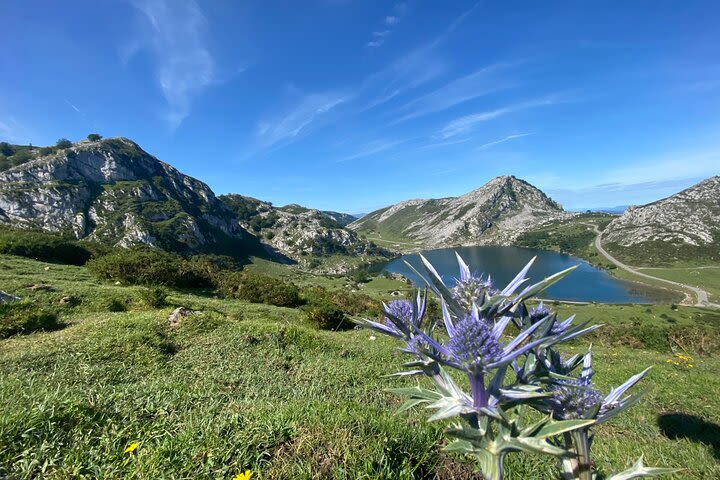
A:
[470,289]
[538,313]
[563,329]
[575,399]
[474,345]
[401,318]
[401,310]
[578,398]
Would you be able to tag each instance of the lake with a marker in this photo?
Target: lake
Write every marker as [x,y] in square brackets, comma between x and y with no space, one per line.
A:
[585,284]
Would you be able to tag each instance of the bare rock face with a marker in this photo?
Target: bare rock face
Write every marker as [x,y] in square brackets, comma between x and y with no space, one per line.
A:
[496,213]
[690,217]
[114,192]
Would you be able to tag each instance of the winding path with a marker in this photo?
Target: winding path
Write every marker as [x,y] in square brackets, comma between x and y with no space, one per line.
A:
[702,297]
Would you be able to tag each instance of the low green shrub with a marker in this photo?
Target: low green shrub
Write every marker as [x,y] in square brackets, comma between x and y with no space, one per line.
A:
[154,297]
[116,305]
[144,266]
[350,303]
[257,288]
[25,317]
[210,267]
[43,246]
[327,315]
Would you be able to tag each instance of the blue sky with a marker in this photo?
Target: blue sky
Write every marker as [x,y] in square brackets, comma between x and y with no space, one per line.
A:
[352,105]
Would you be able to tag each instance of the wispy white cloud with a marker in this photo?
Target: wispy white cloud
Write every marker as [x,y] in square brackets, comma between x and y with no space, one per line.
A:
[298,119]
[413,69]
[668,167]
[619,194]
[378,38]
[446,143]
[503,140]
[73,107]
[467,123]
[638,182]
[174,31]
[477,84]
[406,73]
[372,148]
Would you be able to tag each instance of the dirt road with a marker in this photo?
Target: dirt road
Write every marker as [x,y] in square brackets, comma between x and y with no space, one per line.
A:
[702,297]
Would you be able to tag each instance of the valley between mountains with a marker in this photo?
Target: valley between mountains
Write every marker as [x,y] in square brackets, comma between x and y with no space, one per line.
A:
[112,192]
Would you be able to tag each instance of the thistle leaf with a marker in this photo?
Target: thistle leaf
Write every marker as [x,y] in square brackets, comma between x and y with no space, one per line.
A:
[417,393]
[536,445]
[542,285]
[639,470]
[556,428]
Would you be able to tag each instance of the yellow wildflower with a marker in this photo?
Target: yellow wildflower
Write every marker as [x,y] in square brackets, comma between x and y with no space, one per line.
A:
[244,476]
[690,366]
[132,447]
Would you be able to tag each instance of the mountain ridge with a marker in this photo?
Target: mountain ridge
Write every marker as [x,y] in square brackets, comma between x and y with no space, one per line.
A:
[495,213]
[297,232]
[114,192]
[685,225]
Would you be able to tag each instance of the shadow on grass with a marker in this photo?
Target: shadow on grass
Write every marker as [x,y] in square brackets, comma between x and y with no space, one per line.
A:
[675,425]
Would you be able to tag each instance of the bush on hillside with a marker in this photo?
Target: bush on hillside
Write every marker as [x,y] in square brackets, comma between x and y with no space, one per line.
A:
[19,318]
[63,143]
[348,302]
[258,222]
[6,149]
[94,137]
[257,288]
[47,151]
[327,315]
[154,297]
[115,304]
[210,267]
[21,157]
[143,266]
[43,246]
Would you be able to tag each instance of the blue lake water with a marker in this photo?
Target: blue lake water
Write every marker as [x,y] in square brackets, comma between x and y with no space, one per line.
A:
[585,284]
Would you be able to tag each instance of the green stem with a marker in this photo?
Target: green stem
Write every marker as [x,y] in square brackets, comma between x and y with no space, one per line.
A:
[568,465]
[491,465]
[582,447]
[578,467]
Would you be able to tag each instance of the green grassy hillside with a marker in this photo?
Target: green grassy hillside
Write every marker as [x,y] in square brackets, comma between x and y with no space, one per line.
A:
[243,385]
[574,236]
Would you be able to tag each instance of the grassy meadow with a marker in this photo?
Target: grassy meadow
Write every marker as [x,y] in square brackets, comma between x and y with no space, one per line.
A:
[240,386]
[705,277]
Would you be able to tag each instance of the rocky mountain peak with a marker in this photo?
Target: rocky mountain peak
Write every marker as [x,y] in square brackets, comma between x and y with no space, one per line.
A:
[497,212]
[690,217]
[114,192]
